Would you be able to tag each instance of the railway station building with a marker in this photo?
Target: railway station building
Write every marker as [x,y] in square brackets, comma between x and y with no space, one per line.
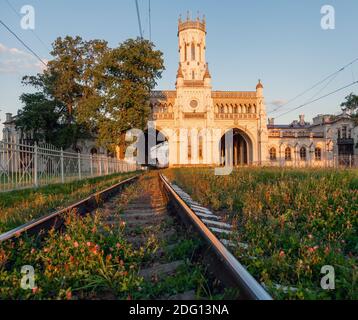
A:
[194,120]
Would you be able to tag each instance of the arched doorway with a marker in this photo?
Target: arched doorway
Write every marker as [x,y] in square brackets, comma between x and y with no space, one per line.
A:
[240,152]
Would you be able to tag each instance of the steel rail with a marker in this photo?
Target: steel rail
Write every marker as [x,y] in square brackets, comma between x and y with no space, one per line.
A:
[55,219]
[243,279]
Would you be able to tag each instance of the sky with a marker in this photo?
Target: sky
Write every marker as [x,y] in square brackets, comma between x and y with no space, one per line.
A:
[280,42]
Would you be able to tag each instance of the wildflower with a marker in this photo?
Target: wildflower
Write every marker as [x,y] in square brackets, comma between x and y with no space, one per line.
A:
[121,263]
[69,295]
[118,245]
[123,224]
[310,236]
[313,249]
[46,250]
[109,257]
[35,290]
[89,244]
[282,254]
[75,244]
[33,251]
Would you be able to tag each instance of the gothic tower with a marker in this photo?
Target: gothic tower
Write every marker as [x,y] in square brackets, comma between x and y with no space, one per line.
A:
[192,49]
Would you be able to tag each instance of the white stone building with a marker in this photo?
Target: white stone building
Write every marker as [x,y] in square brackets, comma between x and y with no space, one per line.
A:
[194,120]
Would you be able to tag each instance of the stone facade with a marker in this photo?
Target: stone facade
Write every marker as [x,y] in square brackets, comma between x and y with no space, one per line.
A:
[194,120]
[194,108]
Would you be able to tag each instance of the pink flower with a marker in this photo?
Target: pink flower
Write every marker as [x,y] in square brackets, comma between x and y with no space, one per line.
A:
[313,249]
[35,290]
[75,244]
[89,244]
[282,254]
[33,251]
[118,245]
[69,295]
[310,236]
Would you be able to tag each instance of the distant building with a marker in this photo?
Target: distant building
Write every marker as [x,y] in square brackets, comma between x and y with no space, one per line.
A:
[194,119]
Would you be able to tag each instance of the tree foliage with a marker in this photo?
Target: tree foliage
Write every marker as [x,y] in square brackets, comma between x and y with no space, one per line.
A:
[45,118]
[351,105]
[88,85]
[123,82]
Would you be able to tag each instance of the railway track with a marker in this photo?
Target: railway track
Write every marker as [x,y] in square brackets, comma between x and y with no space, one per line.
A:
[188,259]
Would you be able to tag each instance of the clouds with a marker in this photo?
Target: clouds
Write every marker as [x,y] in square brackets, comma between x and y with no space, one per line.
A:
[278,102]
[14,60]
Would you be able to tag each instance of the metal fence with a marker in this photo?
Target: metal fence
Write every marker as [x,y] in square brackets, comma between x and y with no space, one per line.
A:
[337,162]
[24,166]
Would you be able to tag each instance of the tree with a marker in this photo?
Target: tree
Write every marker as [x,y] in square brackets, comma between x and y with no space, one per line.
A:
[88,87]
[45,118]
[50,113]
[73,68]
[351,105]
[123,83]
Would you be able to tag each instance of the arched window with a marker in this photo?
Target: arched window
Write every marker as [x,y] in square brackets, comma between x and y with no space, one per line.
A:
[193,51]
[189,147]
[303,154]
[288,154]
[222,109]
[235,109]
[318,154]
[185,52]
[201,144]
[273,154]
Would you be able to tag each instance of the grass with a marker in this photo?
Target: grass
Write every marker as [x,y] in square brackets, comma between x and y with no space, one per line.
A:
[295,221]
[88,261]
[19,207]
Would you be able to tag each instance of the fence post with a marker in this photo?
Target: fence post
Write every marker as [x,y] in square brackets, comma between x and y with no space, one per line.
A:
[79,166]
[107,166]
[62,168]
[91,165]
[35,165]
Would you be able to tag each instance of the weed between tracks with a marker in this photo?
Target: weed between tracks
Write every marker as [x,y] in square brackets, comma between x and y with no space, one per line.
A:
[293,221]
[19,207]
[93,260]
